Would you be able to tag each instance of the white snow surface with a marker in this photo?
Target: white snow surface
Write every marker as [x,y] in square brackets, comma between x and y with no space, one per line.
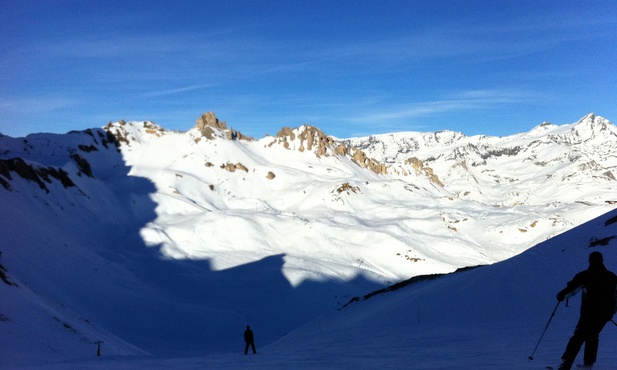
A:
[165,256]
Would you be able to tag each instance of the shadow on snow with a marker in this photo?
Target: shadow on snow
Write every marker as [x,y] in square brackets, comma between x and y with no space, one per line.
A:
[96,263]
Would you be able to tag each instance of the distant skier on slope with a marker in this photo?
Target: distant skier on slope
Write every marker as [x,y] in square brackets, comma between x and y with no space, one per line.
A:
[249,340]
[597,308]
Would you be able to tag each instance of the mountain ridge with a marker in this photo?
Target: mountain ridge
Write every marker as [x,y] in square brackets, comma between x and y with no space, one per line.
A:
[469,169]
[168,218]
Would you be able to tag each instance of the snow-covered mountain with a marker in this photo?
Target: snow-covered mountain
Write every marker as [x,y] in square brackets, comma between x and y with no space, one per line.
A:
[549,164]
[166,242]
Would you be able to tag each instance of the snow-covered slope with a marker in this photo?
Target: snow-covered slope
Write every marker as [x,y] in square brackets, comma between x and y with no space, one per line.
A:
[549,165]
[490,317]
[170,240]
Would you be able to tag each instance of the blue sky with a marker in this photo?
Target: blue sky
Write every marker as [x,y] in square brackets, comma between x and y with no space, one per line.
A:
[351,68]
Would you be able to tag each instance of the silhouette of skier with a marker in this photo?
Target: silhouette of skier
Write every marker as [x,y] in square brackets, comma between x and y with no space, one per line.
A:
[249,340]
[597,308]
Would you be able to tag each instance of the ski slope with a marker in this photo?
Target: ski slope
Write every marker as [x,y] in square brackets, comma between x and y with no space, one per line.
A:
[483,318]
[165,246]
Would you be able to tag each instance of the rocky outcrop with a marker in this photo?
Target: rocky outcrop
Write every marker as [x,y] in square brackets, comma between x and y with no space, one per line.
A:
[308,138]
[5,279]
[420,168]
[208,125]
[240,166]
[341,150]
[83,164]
[233,167]
[129,132]
[39,175]
[305,138]
[117,134]
[153,129]
[363,161]
[347,188]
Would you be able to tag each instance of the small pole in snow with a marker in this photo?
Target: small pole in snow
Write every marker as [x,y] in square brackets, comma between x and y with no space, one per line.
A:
[98,348]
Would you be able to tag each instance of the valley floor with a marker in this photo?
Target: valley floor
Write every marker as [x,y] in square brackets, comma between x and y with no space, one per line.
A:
[489,347]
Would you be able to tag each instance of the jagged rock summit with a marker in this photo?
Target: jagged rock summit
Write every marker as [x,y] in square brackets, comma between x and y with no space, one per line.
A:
[208,122]
[312,139]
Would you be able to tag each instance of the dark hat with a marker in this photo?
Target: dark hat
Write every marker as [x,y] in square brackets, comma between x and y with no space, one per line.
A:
[596,258]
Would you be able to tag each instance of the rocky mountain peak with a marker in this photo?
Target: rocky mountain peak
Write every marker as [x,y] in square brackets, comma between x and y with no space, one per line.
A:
[303,138]
[209,126]
[209,119]
[124,132]
[543,127]
[593,128]
[589,117]
[310,138]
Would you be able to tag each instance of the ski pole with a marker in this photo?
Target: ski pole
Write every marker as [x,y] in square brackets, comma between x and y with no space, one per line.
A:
[542,336]
[613,321]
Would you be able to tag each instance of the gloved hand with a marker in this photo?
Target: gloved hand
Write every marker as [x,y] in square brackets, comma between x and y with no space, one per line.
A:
[561,296]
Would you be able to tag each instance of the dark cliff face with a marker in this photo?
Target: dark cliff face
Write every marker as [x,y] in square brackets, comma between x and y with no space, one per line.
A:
[23,158]
[39,175]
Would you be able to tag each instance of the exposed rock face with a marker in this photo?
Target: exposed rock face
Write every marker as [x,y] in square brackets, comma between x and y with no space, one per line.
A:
[125,133]
[209,119]
[153,129]
[229,167]
[116,134]
[5,279]
[420,168]
[240,166]
[313,139]
[310,138]
[38,175]
[341,149]
[270,175]
[208,122]
[83,164]
[347,188]
[363,161]
[233,167]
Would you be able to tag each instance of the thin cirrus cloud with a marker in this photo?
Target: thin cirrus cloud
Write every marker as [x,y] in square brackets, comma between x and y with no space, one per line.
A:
[460,101]
[35,105]
[479,42]
[175,91]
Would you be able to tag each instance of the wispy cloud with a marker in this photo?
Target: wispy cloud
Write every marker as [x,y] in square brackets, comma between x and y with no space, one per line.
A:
[34,105]
[20,116]
[175,91]
[459,101]
[473,40]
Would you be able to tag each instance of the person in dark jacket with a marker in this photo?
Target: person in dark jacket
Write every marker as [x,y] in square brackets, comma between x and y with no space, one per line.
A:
[597,308]
[249,340]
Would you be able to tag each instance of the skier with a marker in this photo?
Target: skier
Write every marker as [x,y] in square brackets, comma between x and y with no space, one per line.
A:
[597,308]
[249,339]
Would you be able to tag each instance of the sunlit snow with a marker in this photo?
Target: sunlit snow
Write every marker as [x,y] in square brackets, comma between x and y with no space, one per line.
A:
[165,255]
